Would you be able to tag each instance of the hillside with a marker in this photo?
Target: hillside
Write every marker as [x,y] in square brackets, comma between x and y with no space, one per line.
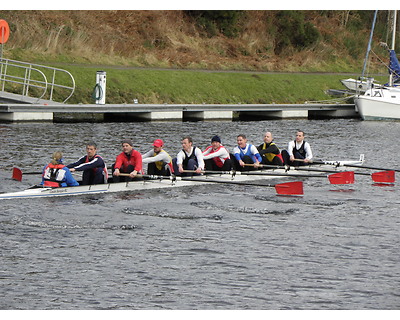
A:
[249,40]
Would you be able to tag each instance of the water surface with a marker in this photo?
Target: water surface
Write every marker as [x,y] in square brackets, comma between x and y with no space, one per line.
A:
[203,247]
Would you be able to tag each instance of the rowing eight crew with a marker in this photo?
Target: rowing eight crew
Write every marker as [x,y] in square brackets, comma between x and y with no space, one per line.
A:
[190,160]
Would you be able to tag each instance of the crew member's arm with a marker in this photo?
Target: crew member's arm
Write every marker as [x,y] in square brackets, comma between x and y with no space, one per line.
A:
[97,162]
[200,160]
[257,156]
[207,153]
[77,163]
[221,152]
[179,160]
[309,154]
[270,149]
[162,156]
[69,179]
[236,153]
[290,150]
[138,163]
[118,164]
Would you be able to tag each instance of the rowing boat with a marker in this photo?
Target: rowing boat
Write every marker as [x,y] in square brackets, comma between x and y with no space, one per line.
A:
[149,183]
[257,178]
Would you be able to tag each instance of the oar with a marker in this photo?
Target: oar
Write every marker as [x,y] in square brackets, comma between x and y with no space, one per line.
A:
[335,178]
[386,176]
[336,163]
[372,168]
[287,188]
[263,173]
[341,177]
[270,166]
[17,173]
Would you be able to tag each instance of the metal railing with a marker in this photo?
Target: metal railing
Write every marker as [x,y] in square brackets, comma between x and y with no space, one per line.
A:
[32,80]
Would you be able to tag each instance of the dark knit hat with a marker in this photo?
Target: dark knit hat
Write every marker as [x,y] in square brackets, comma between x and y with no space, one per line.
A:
[216,138]
[128,141]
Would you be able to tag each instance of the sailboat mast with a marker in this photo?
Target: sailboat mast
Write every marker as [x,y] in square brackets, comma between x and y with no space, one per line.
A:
[393,43]
[369,45]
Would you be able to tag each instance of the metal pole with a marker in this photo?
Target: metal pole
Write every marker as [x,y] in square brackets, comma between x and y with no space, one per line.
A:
[369,45]
[393,44]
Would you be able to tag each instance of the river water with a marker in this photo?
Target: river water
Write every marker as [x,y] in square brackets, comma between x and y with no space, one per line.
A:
[205,247]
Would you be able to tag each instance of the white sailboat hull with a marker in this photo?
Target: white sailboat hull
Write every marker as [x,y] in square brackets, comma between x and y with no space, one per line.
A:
[358,85]
[379,104]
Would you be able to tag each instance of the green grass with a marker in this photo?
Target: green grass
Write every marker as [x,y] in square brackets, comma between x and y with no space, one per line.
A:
[184,86]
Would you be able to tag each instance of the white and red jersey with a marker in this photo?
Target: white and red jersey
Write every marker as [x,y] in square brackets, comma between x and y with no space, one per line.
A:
[219,155]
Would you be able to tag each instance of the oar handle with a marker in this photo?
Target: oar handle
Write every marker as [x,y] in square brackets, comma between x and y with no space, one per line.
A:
[194,171]
[138,175]
[309,161]
[149,176]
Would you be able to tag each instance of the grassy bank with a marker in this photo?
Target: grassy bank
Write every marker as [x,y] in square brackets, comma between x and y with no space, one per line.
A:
[187,86]
[256,40]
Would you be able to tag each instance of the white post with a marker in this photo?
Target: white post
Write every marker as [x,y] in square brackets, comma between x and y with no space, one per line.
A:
[100,89]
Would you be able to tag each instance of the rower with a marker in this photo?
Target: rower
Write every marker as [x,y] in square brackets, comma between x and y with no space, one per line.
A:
[128,161]
[158,160]
[245,154]
[93,166]
[269,151]
[190,158]
[216,156]
[56,174]
[297,149]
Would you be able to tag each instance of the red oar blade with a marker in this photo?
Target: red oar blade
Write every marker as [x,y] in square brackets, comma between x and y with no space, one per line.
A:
[290,188]
[383,176]
[17,174]
[344,177]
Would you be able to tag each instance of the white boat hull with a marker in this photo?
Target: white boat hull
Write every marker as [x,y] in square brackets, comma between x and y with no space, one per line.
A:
[357,85]
[379,104]
[165,182]
[170,182]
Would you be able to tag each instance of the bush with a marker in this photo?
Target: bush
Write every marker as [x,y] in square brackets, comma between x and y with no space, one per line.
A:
[213,22]
[294,31]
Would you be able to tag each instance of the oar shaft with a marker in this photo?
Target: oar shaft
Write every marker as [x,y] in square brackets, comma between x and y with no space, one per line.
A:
[371,168]
[33,172]
[327,171]
[252,173]
[271,166]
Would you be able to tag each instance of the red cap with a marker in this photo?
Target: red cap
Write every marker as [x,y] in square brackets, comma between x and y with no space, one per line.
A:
[158,143]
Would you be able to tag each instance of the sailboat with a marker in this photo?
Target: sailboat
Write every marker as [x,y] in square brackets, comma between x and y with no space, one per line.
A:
[382,102]
[358,85]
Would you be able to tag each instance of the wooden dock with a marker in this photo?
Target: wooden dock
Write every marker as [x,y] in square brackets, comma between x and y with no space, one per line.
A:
[56,112]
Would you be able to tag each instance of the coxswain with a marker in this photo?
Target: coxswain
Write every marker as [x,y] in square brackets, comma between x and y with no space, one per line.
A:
[189,158]
[129,161]
[297,149]
[245,154]
[216,157]
[158,160]
[56,174]
[269,151]
[93,166]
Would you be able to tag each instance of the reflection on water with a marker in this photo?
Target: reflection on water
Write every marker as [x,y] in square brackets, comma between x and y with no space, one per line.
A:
[205,247]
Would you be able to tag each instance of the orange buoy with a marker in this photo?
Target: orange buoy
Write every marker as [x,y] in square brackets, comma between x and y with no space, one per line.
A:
[4,31]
